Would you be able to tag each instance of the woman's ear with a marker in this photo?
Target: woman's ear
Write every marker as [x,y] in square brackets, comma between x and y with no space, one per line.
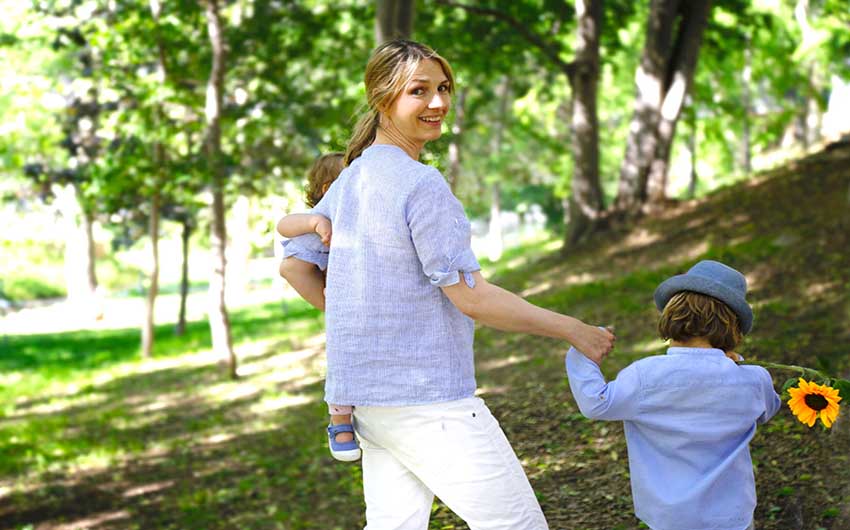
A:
[325,187]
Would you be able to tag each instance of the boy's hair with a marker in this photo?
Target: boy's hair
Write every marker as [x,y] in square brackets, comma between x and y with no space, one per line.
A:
[690,315]
[323,172]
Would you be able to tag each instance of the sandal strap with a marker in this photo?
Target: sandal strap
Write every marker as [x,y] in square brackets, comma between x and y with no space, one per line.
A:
[343,427]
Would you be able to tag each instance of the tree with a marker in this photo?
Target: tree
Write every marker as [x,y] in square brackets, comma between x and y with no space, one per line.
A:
[218,317]
[582,74]
[673,37]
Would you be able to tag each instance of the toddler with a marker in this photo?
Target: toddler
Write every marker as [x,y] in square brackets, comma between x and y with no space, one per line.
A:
[323,172]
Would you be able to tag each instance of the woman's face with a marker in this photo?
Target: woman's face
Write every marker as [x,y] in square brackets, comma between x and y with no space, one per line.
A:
[418,112]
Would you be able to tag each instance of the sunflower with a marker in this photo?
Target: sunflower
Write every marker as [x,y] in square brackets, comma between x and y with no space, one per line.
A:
[809,399]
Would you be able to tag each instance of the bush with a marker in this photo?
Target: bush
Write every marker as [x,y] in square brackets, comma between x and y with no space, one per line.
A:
[22,288]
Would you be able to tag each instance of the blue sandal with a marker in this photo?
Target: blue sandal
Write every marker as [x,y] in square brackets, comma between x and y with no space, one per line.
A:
[344,451]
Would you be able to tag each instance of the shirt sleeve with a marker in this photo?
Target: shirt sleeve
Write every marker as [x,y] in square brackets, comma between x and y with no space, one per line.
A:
[441,232]
[598,400]
[772,402]
[307,247]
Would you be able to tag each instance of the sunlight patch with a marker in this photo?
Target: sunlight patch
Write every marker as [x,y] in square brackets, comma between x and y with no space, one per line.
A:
[537,289]
[95,521]
[229,392]
[495,364]
[11,378]
[217,438]
[148,488]
[281,402]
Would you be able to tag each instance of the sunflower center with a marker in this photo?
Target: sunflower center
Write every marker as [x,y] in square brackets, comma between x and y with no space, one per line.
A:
[816,401]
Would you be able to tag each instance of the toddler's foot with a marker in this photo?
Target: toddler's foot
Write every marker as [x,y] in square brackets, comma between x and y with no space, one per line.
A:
[342,444]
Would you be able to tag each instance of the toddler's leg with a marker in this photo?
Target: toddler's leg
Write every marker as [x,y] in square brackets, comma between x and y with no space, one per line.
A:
[342,419]
[343,446]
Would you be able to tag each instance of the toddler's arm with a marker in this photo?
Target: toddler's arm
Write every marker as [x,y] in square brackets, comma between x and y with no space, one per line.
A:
[596,399]
[298,224]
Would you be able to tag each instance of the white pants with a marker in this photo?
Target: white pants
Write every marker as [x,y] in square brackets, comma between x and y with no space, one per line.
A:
[455,450]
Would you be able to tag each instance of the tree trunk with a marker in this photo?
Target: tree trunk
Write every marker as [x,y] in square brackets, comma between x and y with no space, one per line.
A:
[694,19]
[674,36]
[153,273]
[239,249]
[180,328]
[88,232]
[80,279]
[218,317]
[455,143]
[148,330]
[393,19]
[692,153]
[495,241]
[586,201]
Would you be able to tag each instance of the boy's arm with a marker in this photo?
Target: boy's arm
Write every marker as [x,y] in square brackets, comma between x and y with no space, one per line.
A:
[772,402]
[596,399]
[306,279]
[299,224]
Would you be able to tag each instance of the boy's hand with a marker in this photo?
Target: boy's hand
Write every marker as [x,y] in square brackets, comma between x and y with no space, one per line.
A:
[593,342]
[323,228]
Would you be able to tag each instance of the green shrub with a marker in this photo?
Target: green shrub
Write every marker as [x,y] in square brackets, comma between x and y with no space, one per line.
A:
[19,288]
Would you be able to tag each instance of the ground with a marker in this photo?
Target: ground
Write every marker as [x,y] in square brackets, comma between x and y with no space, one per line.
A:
[90,437]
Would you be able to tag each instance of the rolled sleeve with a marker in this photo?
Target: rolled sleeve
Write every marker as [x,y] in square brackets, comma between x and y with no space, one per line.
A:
[307,248]
[441,232]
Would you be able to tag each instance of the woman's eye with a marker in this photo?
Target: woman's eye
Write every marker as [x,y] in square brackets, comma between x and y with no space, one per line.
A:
[443,88]
[417,91]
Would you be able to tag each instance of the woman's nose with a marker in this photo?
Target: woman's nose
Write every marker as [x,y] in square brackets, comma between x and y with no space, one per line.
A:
[439,101]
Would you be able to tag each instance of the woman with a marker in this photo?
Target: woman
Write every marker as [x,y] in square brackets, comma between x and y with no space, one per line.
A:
[403,288]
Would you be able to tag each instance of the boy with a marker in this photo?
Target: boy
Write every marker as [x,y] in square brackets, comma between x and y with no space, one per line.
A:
[689,415]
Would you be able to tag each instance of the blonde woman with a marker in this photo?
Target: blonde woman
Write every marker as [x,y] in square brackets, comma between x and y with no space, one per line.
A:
[403,289]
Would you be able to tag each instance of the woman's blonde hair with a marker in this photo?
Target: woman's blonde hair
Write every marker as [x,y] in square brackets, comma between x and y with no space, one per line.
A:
[323,172]
[389,69]
[690,315]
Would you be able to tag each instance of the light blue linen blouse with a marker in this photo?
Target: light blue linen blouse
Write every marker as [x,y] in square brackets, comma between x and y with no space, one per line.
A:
[399,235]
[689,417]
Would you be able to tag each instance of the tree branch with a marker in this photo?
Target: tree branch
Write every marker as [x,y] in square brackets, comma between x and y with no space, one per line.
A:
[550,51]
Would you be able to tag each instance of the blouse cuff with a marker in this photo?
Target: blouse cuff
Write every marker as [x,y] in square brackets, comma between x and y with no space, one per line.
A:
[302,250]
[465,264]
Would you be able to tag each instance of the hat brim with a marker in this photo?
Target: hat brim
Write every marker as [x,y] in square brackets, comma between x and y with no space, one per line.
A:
[698,284]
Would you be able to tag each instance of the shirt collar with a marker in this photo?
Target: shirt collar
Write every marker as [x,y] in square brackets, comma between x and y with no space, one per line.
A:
[678,350]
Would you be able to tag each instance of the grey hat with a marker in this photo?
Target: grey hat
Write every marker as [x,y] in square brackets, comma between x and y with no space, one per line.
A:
[714,279]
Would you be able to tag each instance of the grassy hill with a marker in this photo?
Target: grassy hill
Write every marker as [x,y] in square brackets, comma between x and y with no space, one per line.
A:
[90,437]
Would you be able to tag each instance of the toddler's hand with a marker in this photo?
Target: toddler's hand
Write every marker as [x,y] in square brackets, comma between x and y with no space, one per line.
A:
[323,228]
[594,342]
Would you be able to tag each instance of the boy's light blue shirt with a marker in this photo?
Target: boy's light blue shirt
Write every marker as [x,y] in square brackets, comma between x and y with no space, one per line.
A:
[689,417]
[399,235]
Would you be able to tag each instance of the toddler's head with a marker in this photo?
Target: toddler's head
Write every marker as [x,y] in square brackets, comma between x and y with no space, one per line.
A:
[323,172]
[708,302]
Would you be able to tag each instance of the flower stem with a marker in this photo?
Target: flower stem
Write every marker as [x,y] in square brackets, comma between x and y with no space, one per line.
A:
[811,373]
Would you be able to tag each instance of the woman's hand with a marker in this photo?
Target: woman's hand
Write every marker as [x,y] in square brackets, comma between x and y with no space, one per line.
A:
[594,342]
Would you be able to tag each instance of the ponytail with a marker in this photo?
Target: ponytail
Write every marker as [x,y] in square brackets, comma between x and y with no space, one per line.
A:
[363,136]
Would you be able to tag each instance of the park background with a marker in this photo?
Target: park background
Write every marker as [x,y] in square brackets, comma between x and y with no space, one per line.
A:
[154,371]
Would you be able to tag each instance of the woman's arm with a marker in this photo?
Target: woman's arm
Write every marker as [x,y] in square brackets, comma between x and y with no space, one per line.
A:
[306,279]
[497,308]
[298,224]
